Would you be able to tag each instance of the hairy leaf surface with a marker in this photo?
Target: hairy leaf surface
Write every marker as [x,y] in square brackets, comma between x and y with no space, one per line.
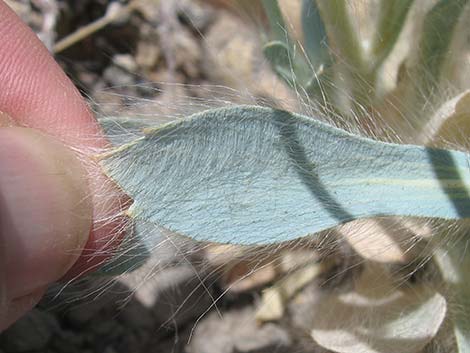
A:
[252,175]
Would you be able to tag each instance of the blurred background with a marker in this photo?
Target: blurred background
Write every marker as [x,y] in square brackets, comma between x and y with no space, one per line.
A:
[161,60]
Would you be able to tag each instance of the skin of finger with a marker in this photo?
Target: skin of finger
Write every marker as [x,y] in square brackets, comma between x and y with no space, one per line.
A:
[5,121]
[46,213]
[19,306]
[36,93]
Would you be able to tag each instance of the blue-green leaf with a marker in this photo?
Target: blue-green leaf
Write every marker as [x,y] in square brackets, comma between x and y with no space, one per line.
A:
[438,29]
[252,175]
[342,34]
[315,39]
[291,68]
[432,54]
[276,21]
[289,63]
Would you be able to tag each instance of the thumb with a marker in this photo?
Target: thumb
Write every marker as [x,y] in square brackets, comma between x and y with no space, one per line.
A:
[45,216]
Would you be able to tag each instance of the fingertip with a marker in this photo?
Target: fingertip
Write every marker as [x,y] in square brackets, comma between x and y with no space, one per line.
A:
[18,307]
[45,209]
[37,94]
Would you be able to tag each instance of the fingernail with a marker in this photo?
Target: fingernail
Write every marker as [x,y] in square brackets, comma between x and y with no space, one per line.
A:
[45,209]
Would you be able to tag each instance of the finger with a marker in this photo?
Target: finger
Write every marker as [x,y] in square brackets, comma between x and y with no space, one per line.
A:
[36,93]
[44,212]
[19,306]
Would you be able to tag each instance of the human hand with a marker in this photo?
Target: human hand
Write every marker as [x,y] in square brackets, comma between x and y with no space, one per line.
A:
[59,216]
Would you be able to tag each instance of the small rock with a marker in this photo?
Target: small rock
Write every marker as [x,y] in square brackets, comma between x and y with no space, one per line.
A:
[187,53]
[196,15]
[148,54]
[179,46]
[148,10]
[115,76]
[88,79]
[237,331]
[173,295]
[125,61]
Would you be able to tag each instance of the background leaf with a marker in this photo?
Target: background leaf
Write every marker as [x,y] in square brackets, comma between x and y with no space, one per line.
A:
[392,17]
[315,39]
[378,317]
[425,82]
[450,123]
[287,65]
[453,260]
[387,240]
